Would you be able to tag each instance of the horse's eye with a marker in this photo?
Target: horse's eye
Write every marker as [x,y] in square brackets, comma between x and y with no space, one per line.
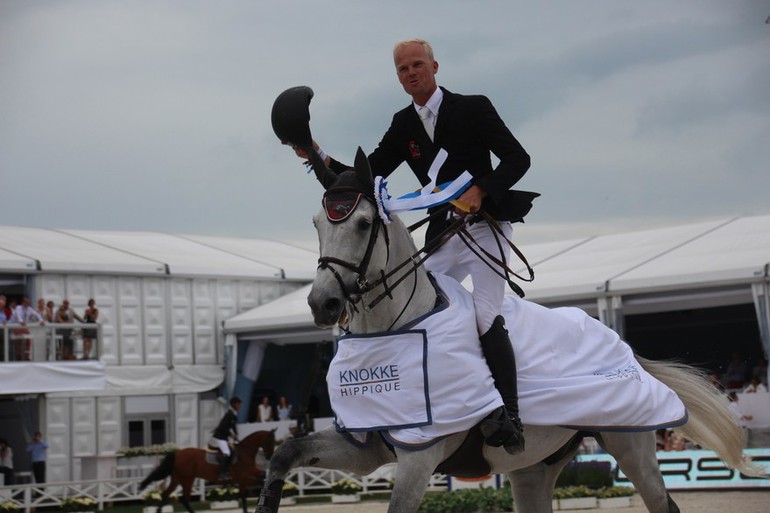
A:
[364,224]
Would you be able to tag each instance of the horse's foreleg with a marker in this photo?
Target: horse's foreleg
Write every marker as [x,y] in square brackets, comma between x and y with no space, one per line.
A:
[413,474]
[186,493]
[324,449]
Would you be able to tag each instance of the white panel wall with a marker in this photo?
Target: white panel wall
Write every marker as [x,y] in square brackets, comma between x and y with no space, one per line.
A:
[227,306]
[248,295]
[186,416]
[78,288]
[211,411]
[108,420]
[83,426]
[104,292]
[57,434]
[269,291]
[154,291]
[181,321]
[51,288]
[130,321]
[204,317]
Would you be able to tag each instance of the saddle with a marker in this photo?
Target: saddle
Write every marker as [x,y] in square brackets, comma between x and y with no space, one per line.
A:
[214,456]
[468,460]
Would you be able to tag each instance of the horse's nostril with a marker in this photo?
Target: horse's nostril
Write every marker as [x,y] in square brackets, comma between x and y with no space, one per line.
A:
[332,305]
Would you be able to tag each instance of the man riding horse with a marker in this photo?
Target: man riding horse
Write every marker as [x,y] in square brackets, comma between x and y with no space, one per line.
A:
[468,128]
[220,437]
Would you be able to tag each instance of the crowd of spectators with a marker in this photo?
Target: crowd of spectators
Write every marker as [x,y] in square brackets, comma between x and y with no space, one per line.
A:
[16,338]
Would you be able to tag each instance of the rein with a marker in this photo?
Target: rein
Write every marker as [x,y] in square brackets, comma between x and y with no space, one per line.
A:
[456,227]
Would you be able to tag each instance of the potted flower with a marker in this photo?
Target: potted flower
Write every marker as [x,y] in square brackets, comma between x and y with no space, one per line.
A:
[223,497]
[76,504]
[9,507]
[346,490]
[153,499]
[575,497]
[615,496]
[288,494]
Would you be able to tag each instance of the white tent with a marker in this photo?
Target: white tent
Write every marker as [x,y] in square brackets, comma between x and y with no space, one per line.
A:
[29,250]
[714,263]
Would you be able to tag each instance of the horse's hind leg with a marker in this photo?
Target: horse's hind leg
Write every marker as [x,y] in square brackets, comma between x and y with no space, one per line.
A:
[324,449]
[532,487]
[635,454]
[164,497]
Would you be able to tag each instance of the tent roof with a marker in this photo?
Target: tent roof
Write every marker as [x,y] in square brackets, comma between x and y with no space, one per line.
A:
[727,252]
[29,249]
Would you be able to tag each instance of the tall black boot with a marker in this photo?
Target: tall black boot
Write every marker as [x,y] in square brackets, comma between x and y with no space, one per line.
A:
[224,467]
[503,426]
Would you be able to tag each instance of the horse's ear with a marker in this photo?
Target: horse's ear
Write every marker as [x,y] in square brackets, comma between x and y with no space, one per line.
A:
[363,169]
[326,176]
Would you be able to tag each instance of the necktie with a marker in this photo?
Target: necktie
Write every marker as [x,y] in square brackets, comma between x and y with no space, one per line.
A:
[427,120]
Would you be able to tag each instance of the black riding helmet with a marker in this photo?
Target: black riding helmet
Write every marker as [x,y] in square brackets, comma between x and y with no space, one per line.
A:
[291,116]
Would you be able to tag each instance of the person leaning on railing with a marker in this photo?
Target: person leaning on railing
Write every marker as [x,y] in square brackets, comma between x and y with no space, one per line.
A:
[66,315]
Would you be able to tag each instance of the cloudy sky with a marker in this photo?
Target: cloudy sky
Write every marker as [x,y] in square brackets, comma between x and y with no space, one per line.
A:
[154,115]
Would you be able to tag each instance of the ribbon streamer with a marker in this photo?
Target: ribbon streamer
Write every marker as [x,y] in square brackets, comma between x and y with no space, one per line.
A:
[429,196]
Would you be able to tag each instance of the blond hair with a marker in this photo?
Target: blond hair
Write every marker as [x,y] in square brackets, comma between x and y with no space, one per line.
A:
[426,45]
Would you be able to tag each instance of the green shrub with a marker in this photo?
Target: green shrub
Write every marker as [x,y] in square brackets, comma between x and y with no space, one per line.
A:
[593,474]
[615,491]
[483,500]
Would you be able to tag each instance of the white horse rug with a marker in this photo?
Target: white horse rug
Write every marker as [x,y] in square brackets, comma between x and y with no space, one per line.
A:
[430,379]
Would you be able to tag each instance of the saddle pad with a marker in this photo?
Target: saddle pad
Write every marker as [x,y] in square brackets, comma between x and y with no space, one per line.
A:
[380,381]
[460,390]
[574,371]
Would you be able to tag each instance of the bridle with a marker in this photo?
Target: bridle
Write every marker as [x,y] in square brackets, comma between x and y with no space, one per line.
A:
[363,285]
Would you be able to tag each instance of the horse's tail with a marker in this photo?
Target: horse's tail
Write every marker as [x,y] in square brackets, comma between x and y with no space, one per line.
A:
[711,423]
[162,471]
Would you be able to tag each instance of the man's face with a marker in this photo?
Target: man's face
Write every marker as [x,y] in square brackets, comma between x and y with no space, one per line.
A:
[416,71]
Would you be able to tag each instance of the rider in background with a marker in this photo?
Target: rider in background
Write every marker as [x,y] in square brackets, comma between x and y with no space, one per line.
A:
[469,129]
[221,436]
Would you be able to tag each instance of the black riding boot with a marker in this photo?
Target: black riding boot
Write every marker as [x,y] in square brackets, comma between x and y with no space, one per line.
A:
[224,467]
[503,426]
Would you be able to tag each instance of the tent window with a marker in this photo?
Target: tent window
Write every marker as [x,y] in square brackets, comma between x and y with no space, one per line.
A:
[148,431]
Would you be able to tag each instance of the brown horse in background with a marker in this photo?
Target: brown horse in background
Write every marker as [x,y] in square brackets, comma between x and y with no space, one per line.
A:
[185,465]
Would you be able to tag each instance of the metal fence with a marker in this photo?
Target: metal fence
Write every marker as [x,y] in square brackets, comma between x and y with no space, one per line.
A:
[109,491]
[49,342]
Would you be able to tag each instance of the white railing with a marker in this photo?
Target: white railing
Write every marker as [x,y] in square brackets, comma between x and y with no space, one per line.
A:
[48,342]
[29,497]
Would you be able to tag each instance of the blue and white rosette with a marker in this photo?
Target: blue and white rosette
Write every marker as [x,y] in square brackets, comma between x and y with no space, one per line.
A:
[429,196]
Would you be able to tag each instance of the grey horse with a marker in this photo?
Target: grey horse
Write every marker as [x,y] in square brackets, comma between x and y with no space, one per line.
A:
[357,251]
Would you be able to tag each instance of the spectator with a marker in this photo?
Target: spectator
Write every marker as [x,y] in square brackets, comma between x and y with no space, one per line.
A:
[265,410]
[37,448]
[6,462]
[24,314]
[89,335]
[5,316]
[66,315]
[760,371]
[714,380]
[50,308]
[754,386]
[284,408]
[45,311]
[735,374]
[735,409]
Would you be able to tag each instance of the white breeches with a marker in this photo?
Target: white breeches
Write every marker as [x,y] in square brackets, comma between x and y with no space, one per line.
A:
[221,444]
[456,260]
